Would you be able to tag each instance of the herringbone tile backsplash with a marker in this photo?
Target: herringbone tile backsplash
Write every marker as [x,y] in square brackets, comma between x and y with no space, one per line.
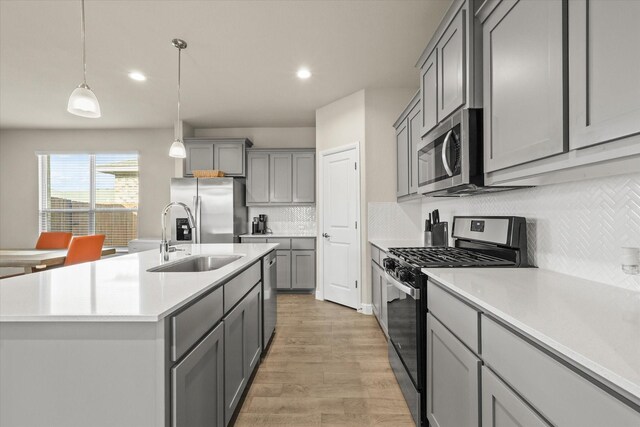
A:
[575,228]
[287,219]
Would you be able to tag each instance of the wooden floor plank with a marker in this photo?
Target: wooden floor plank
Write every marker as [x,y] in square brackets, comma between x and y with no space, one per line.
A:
[327,366]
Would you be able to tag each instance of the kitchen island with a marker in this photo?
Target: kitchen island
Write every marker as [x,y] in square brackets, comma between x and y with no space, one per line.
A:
[110,343]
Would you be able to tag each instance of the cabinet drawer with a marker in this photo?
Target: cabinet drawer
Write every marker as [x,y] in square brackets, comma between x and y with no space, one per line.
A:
[236,288]
[375,254]
[284,243]
[252,240]
[188,326]
[304,244]
[381,256]
[561,395]
[457,316]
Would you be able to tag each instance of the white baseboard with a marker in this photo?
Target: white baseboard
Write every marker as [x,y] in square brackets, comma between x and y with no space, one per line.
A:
[366,309]
[319,296]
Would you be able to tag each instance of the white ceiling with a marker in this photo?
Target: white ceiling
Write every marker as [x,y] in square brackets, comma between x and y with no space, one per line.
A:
[238,71]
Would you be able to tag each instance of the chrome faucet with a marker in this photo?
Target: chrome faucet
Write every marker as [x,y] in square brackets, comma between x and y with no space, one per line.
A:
[164,243]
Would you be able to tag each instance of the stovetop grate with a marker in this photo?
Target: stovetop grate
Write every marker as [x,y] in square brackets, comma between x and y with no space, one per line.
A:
[447,257]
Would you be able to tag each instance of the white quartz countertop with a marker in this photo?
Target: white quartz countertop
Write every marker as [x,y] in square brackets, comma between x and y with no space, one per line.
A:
[283,235]
[593,326]
[118,289]
[385,244]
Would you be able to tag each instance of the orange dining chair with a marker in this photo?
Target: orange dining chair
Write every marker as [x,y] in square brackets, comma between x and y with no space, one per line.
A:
[53,240]
[85,249]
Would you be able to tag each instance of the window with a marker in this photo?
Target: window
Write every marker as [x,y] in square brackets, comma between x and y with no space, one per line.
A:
[90,194]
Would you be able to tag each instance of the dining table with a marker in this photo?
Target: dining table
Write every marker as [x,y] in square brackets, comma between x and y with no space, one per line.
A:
[32,260]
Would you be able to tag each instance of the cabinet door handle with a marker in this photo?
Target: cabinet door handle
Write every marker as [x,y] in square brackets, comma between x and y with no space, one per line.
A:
[445,159]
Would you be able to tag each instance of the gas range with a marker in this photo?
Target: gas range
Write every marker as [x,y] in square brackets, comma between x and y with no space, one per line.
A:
[479,242]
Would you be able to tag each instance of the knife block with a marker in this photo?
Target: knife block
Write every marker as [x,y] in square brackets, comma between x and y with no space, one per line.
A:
[440,234]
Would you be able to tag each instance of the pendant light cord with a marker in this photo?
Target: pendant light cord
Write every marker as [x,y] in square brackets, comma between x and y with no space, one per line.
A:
[179,63]
[84,49]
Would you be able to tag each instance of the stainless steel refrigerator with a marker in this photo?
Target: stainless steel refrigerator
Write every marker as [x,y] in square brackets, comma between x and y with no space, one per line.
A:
[218,206]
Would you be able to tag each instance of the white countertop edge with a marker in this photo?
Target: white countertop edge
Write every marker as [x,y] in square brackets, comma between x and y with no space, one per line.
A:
[245,263]
[386,244]
[616,382]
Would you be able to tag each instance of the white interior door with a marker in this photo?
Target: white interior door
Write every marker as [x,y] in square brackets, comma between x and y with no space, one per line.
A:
[340,213]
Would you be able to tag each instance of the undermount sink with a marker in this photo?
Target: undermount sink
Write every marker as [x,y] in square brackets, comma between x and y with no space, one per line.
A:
[196,264]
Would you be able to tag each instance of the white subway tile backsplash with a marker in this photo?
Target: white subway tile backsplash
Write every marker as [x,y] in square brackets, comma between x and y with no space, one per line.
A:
[287,219]
[574,228]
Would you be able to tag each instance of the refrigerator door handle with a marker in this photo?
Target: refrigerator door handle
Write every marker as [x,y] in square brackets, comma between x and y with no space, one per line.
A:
[196,232]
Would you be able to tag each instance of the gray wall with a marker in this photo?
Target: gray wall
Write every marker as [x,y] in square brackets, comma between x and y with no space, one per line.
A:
[19,174]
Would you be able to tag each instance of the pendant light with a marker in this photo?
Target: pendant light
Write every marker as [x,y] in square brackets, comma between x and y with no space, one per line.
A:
[83,101]
[177,149]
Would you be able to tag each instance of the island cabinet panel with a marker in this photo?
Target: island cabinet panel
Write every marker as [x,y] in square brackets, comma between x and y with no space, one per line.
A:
[240,285]
[501,407]
[243,345]
[197,384]
[257,177]
[188,326]
[523,83]
[453,373]
[280,178]
[575,400]
[604,66]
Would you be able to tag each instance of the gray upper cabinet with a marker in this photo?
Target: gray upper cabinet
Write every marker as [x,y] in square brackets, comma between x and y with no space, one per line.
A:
[414,140]
[604,70]
[501,407]
[303,269]
[304,177]
[452,379]
[451,67]
[523,83]
[199,157]
[227,155]
[257,178]
[402,160]
[281,177]
[429,93]
[229,158]
[197,384]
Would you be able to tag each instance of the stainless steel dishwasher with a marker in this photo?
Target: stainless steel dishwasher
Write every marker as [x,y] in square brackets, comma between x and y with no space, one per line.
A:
[269,293]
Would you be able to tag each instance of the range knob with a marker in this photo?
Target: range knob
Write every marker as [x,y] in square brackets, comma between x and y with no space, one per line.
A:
[389,264]
[405,275]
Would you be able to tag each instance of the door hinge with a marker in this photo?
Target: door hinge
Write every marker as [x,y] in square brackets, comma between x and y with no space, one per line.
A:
[356,225]
[356,284]
[355,166]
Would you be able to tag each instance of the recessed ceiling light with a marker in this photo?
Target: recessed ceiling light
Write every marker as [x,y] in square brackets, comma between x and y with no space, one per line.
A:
[136,75]
[303,73]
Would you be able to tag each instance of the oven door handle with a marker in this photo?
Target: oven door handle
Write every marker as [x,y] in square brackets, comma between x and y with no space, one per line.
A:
[412,292]
[445,159]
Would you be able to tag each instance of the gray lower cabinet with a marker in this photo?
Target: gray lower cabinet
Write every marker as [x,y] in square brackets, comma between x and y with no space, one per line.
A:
[257,178]
[376,290]
[604,64]
[501,407]
[303,269]
[379,288]
[281,177]
[197,384]
[453,371]
[523,83]
[284,269]
[227,155]
[243,345]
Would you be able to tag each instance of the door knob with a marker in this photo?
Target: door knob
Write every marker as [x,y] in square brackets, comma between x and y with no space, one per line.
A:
[325,235]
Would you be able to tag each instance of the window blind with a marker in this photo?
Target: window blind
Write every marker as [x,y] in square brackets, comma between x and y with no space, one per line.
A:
[94,193]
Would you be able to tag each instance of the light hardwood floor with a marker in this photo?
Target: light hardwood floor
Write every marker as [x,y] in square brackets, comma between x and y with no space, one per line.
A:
[327,366]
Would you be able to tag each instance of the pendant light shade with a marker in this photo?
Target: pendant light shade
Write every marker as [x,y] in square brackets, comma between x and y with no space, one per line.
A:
[83,101]
[177,149]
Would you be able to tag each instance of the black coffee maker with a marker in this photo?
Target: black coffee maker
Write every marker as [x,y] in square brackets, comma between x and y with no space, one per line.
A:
[259,224]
